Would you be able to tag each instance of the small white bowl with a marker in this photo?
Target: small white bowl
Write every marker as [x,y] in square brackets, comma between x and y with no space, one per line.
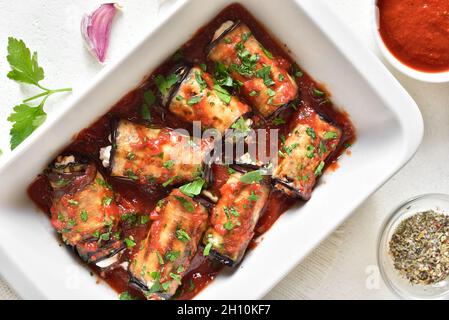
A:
[434,77]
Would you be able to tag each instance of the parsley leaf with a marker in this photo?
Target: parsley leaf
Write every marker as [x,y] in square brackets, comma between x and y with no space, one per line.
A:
[193,188]
[182,235]
[25,67]
[250,177]
[164,84]
[25,120]
[186,204]
[223,94]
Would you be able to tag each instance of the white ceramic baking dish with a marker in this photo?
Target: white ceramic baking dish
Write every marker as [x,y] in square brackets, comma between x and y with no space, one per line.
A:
[389,128]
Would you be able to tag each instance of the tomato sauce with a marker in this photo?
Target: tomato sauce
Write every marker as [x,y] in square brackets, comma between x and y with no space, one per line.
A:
[417,32]
[132,197]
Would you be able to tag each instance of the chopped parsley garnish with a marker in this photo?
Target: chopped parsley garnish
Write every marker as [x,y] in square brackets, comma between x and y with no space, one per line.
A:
[182,235]
[176,277]
[330,135]
[126,296]
[290,148]
[107,201]
[311,132]
[84,216]
[130,243]
[231,170]
[130,174]
[231,211]
[103,183]
[228,225]
[131,156]
[186,204]
[278,121]
[203,66]
[253,197]
[222,76]
[159,258]
[208,247]
[144,219]
[322,149]
[200,80]
[168,182]
[164,84]
[169,164]
[194,100]
[145,112]
[149,97]
[296,71]
[193,188]
[271,92]
[319,169]
[267,53]
[62,182]
[172,255]
[73,202]
[281,77]
[253,93]
[223,94]
[318,93]
[250,177]
[241,126]
[310,151]
[265,74]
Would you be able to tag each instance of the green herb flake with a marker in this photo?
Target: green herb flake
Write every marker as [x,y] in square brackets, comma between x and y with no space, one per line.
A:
[252,177]
[164,84]
[169,164]
[182,235]
[311,132]
[176,277]
[84,216]
[186,204]
[278,121]
[193,188]
[194,100]
[253,197]
[126,296]
[223,94]
[130,243]
[172,255]
[319,169]
[330,135]
[267,53]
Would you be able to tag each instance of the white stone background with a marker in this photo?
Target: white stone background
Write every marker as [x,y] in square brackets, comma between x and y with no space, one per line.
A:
[344,265]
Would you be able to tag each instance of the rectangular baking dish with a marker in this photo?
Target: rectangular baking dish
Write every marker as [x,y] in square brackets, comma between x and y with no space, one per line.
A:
[389,131]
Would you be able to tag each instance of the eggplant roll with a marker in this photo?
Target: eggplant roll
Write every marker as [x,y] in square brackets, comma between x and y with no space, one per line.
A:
[304,152]
[266,83]
[234,218]
[157,155]
[196,98]
[165,255]
[83,208]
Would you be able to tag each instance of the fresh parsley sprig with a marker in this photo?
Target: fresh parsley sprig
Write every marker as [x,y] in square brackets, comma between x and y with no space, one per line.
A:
[25,69]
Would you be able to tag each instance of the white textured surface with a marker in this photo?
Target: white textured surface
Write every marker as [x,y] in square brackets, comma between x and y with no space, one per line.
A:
[343,266]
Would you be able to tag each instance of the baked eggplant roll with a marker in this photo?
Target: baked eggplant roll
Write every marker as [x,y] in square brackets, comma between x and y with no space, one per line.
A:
[266,84]
[233,219]
[197,98]
[165,255]
[304,152]
[83,209]
[157,155]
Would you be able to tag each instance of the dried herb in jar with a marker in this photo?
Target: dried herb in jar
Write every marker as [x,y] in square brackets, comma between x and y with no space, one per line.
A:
[420,248]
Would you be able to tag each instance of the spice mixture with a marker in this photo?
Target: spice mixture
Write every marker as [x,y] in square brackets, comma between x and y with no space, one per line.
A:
[420,248]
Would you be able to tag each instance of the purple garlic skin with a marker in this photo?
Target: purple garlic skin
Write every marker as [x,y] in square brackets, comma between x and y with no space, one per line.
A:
[96,29]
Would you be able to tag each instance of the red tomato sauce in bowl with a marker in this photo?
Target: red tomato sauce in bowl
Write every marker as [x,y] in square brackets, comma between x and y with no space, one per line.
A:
[416,32]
